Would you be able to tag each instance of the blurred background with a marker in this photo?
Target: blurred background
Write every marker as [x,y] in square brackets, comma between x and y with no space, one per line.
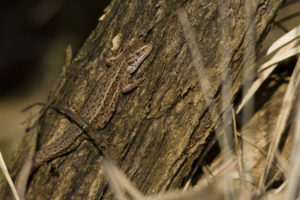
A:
[34,37]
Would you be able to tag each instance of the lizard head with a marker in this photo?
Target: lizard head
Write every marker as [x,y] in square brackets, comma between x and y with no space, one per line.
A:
[135,59]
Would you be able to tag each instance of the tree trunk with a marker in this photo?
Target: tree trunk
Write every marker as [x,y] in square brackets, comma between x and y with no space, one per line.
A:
[160,129]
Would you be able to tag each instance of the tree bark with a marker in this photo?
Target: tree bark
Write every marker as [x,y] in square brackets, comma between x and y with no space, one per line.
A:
[160,129]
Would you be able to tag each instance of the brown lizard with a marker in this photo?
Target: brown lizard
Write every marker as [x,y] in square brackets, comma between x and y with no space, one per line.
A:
[100,110]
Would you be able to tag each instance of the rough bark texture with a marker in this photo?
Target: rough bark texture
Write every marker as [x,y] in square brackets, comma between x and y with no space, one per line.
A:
[159,130]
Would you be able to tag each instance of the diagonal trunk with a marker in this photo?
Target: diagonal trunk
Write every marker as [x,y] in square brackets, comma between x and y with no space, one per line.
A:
[160,129]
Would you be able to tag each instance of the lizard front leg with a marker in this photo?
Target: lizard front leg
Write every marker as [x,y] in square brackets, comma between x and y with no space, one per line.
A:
[131,86]
[111,60]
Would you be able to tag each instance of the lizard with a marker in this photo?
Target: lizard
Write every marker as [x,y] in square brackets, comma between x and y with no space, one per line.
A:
[101,112]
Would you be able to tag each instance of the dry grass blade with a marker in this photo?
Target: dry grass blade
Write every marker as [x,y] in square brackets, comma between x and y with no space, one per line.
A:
[237,149]
[283,56]
[252,143]
[225,133]
[8,178]
[294,169]
[120,184]
[197,58]
[248,78]
[206,87]
[285,39]
[213,192]
[254,87]
[268,67]
[205,84]
[226,72]
[277,57]
[281,123]
[123,187]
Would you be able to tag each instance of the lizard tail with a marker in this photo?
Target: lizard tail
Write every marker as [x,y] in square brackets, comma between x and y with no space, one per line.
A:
[23,176]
